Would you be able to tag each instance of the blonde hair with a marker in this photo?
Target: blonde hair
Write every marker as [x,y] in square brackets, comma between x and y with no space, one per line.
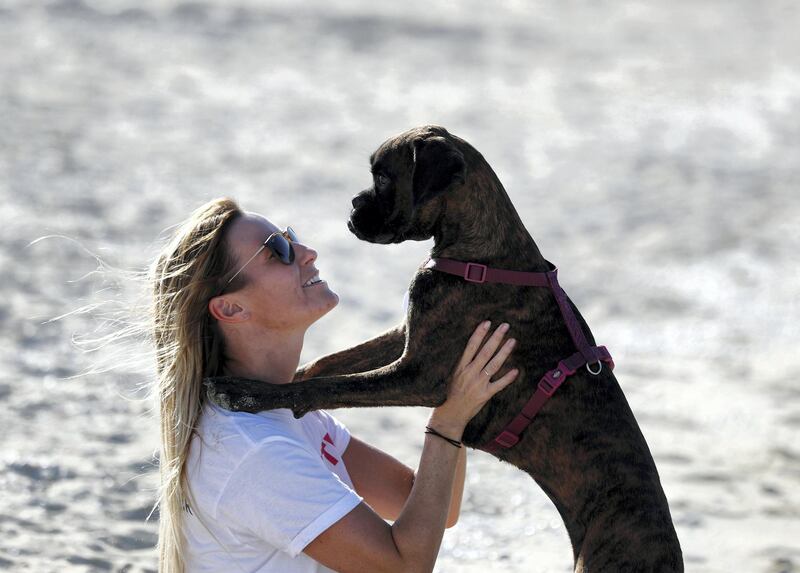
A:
[189,271]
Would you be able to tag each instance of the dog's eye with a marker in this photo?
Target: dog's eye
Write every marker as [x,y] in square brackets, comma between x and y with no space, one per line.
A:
[381,180]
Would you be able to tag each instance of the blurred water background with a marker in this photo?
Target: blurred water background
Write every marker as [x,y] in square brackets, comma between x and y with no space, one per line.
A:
[651,148]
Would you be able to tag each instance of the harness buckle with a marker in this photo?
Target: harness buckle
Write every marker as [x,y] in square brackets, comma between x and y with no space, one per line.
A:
[551,381]
[565,368]
[507,439]
[555,377]
[547,387]
[482,268]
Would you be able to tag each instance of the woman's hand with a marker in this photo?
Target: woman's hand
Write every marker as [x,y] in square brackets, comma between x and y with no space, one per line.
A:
[471,386]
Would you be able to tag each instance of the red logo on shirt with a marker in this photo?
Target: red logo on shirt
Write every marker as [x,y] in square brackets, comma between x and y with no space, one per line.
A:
[325,454]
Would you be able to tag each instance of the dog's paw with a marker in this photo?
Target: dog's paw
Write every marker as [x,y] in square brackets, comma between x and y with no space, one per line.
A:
[241,394]
[300,410]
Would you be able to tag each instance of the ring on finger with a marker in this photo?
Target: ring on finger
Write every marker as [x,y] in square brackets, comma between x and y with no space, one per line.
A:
[487,373]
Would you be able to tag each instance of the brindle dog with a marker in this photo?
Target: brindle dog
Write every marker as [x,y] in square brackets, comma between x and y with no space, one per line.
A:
[584,448]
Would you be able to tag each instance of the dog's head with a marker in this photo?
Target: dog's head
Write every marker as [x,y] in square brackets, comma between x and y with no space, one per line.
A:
[411,175]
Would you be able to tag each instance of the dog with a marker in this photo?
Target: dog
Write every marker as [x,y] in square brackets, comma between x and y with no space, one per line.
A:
[584,448]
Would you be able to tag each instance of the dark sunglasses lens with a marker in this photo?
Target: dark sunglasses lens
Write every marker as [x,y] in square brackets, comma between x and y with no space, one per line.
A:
[292,235]
[281,248]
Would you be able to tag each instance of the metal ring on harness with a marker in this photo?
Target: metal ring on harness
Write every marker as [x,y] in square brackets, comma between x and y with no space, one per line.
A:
[599,370]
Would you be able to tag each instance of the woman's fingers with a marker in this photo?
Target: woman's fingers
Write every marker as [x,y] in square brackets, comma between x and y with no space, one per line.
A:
[470,386]
[504,381]
[494,365]
[474,343]
[491,345]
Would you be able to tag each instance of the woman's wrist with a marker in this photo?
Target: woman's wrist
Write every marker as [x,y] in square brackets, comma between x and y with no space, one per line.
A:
[447,426]
[451,441]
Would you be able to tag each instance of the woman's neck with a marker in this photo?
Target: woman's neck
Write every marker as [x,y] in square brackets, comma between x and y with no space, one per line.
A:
[263,354]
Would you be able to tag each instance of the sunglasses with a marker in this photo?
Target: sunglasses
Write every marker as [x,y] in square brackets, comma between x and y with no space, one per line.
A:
[279,244]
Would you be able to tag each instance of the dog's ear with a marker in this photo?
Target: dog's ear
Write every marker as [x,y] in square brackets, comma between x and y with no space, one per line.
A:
[438,165]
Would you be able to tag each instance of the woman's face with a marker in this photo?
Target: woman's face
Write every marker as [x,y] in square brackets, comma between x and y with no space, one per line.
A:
[275,295]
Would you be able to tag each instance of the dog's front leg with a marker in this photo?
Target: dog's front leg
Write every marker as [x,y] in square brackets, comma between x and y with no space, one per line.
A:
[401,383]
[370,355]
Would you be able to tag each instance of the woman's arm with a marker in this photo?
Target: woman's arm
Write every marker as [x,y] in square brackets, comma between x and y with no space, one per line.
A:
[458,489]
[361,540]
[385,483]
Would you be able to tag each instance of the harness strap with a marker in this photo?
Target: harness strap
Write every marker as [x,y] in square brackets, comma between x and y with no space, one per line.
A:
[550,382]
[547,386]
[574,328]
[477,273]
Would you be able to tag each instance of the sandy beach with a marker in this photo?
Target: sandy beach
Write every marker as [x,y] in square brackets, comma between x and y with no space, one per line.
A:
[651,148]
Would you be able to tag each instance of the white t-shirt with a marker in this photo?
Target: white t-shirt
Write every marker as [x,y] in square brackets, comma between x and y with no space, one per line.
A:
[265,485]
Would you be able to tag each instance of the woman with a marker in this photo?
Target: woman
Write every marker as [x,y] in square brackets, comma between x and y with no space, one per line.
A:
[266,492]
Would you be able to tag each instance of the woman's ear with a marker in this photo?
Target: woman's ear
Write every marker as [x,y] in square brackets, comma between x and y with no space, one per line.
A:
[226,310]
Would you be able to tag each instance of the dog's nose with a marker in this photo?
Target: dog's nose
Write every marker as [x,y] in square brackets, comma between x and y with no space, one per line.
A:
[359,200]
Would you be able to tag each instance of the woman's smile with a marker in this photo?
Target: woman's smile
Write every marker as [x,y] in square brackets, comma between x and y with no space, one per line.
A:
[314,280]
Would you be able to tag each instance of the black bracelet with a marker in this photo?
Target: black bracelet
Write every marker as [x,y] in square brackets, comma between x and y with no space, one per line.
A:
[429,430]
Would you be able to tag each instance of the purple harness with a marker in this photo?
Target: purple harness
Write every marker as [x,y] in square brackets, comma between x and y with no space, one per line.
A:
[590,356]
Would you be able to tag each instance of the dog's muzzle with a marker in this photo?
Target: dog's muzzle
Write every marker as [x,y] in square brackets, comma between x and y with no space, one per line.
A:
[360,200]
[368,219]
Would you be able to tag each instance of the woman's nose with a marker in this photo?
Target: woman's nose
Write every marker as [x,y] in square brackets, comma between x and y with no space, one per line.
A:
[304,253]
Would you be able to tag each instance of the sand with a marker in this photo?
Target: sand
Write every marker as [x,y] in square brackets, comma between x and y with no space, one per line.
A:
[652,150]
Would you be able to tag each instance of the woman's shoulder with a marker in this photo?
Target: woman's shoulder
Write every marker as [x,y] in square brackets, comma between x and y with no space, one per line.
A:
[323,419]
[252,428]
[229,448]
